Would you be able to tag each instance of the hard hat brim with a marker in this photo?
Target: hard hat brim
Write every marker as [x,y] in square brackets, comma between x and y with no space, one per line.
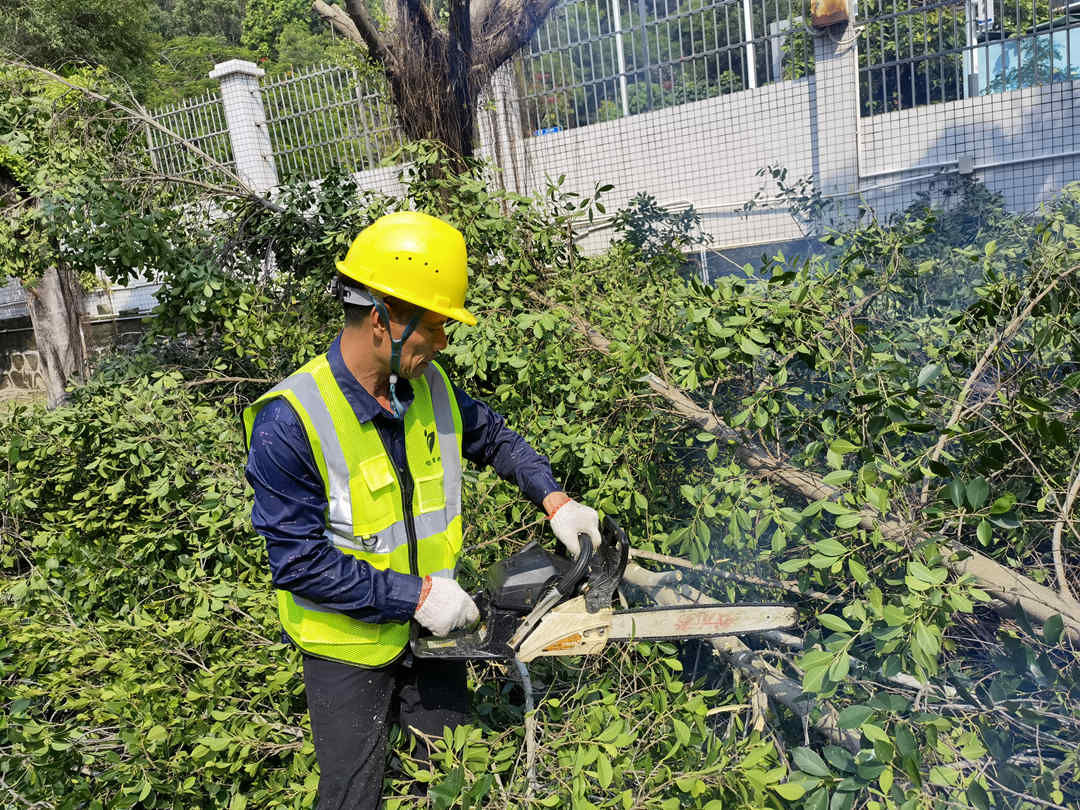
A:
[456,313]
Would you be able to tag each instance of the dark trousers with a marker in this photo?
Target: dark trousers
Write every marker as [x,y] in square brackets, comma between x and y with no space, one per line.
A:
[351,709]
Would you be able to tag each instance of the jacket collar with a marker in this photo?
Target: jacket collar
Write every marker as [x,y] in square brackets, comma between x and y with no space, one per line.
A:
[364,405]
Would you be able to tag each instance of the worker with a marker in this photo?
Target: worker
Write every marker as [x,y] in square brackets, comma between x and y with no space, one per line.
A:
[356,465]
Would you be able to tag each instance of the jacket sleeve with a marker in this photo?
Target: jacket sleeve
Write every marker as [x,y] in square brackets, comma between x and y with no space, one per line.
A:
[487,441]
[289,512]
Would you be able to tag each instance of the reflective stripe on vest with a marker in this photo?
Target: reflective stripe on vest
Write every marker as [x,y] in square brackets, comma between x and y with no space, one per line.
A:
[365,517]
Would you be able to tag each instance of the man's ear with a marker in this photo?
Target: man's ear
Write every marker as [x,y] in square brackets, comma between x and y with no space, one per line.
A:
[377,324]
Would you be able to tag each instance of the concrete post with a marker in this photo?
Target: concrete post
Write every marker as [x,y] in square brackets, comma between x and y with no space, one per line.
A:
[835,117]
[499,125]
[246,118]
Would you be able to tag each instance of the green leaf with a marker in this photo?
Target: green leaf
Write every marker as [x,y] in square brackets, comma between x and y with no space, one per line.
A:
[849,521]
[818,800]
[834,622]
[874,733]
[808,761]
[837,477]
[977,491]
[682,731]
[156,734]
[444,794]
[905,741]
[956,492]
[928,374]
[854,716]
[985,532]
[790,790]
[604,771]
[977,796]
[842,447]
[830,547]
[858,571]
[1053,629]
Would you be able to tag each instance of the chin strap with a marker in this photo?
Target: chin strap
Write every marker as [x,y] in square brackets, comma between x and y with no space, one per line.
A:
[395,350]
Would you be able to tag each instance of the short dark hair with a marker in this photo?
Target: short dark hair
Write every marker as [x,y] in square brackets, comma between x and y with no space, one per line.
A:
[355,314]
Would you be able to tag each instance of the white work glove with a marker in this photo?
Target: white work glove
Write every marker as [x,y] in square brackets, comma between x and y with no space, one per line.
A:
[444,606]
[572,519]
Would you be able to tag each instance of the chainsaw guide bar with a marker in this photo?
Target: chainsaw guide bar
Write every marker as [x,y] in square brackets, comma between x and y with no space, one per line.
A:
[540,604]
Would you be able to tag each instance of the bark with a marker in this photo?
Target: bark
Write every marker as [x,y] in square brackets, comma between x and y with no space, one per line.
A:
[435,74]
[1038,602]
[55,313]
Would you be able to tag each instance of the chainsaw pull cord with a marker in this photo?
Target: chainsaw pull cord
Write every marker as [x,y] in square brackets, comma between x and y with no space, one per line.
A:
[395,350]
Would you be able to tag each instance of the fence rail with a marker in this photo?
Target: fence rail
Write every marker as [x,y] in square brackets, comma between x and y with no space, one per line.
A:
[913,54]
[199,121]
[599,60]
[328,117]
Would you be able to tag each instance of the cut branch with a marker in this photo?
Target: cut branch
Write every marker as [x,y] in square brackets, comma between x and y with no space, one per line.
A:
[1037,601]
[980,367]
[1059,528]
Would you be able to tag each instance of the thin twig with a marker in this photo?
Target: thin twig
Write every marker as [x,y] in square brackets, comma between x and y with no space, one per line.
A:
[1059,527]
[790,587]
[961,402]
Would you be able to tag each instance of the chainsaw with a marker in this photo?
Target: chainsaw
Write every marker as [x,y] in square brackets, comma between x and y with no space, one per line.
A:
[541,604]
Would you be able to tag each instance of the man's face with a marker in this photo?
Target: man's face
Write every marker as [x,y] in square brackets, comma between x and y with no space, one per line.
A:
[426,340]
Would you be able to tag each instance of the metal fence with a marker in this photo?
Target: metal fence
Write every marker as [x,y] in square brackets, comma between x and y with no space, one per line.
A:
[199,121]
[913,53]
[599,60]
[326,117]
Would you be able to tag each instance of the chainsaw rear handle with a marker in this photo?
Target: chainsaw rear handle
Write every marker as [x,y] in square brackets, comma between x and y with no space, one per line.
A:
[569,581]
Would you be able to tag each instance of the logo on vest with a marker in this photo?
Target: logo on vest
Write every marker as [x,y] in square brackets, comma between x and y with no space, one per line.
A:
[430,436]
[369,543]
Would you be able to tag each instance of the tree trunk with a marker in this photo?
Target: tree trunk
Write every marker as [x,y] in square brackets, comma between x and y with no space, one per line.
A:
[435,73]
[55,313]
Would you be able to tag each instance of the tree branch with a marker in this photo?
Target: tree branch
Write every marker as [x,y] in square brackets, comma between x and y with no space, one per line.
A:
[376,43]
[508,26]
[1059,527]
[340,20]
[961,403]
[1037,601]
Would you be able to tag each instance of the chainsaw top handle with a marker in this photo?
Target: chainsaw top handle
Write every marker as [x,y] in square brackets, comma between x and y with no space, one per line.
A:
[569,581]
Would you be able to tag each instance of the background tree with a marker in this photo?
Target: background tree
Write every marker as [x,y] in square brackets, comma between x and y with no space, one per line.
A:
[437,58]
[199,18]
[264,21]
[73,33]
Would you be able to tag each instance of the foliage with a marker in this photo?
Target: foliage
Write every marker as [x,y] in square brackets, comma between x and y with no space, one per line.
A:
[70,35]
[264,21]
[176,19]
[182,66]
[655,231]
[56,143]
[125,537]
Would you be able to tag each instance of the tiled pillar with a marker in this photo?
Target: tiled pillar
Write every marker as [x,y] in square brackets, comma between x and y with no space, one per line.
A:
[246,118]
[835,117]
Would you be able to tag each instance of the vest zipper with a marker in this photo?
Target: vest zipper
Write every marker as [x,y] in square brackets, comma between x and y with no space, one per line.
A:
[405,484]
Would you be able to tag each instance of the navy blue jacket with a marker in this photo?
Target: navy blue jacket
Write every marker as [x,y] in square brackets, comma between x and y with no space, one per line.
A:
[290,501]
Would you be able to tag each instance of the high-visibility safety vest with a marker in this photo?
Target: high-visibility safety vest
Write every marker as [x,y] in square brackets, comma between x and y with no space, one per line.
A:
[366,515]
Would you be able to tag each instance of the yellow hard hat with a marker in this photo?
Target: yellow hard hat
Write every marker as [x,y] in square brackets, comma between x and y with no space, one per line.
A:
[414,257]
